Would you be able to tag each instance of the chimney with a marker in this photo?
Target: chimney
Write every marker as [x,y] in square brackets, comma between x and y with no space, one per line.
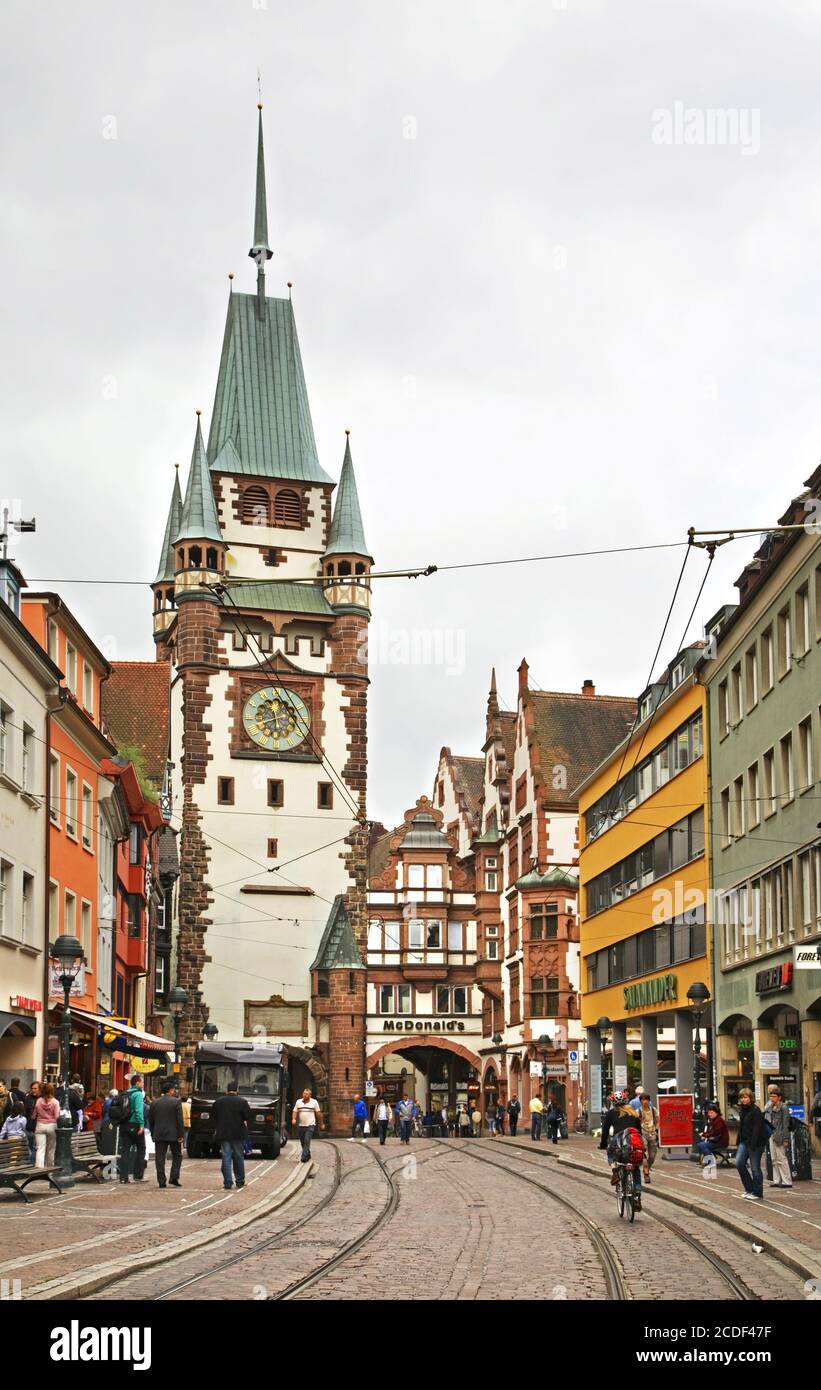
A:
[523,671]
[588,688]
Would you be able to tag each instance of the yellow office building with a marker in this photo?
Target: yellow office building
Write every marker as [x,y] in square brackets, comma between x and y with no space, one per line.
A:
[644,893]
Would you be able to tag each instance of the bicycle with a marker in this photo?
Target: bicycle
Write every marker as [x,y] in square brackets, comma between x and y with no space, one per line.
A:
[626,1193]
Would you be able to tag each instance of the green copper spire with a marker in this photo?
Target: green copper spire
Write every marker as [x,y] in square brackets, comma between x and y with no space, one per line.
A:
[347,532]
[261,206]
[199,520]
[338,949]
[167,565]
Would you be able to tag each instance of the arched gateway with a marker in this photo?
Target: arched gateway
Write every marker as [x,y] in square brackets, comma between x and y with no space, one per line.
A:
[446,1071]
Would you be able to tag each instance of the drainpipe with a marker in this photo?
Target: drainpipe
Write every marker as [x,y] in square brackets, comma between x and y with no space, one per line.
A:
[61,699]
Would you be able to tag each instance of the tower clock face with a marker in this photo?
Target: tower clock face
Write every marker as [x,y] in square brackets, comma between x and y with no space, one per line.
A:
[276,718]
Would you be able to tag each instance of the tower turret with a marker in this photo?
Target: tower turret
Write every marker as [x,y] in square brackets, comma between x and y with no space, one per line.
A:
[346,564]
[163,584]
[199,548]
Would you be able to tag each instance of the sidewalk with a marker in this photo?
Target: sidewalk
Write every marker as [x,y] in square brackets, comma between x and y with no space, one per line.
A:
[63,1247]
[788,1223]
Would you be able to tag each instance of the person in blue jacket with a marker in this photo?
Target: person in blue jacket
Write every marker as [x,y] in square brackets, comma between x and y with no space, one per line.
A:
[360,1115]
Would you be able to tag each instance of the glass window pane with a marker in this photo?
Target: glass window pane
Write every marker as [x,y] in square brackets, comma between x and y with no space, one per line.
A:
[403,999]
[415,930]
[416,875]
[434,875]
[454,936]
[442,999]
[434,935]
[386,999]
[460,999]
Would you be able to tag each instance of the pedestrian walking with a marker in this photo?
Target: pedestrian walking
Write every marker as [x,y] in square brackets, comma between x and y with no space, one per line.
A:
[382,1116]
[635,1103]
[307,1116]
[715,1135]
[476,1120]
[74,1098]
[46,1115]
[751,1140]
[167,1131]
[536,1111]
[29,1104]
[553,1118]
[444,1127]
[464,1122]
[360,1118]
[232,1119]
[131,1131]
[406,1110]
[514,1110]
[500,1119]
[779,1119]
[14,1125]
[649,1117]
[108,1139]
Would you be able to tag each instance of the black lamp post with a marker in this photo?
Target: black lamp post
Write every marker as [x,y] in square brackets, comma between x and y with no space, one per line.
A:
[210,1031]
[545,1044]
[177,1000]
[698,994]
[603,1027]
[67,953]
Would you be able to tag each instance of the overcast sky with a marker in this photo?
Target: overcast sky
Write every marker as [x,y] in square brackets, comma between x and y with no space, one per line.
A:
[551,323]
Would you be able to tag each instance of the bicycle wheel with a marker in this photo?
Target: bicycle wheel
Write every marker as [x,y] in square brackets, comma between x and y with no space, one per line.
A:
[630,1195]
[620,1192]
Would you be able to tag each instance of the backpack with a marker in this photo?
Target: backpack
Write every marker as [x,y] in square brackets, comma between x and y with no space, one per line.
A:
[119,1111]
[628,1147]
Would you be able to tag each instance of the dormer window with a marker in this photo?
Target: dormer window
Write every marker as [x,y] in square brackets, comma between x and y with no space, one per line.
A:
[677,674]
[255,509]
[645,706]
[287,508]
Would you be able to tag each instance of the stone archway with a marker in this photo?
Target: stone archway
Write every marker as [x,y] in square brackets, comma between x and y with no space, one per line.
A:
[402,1045]
[306,1068]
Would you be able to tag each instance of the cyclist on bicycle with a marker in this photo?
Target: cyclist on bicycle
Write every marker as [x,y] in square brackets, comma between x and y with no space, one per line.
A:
[618,1118]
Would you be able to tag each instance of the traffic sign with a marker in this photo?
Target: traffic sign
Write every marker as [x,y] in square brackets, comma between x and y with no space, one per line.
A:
[572,1055]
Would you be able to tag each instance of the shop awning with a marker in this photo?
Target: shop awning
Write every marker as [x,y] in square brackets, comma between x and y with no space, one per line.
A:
[116,1036]
[17,1026]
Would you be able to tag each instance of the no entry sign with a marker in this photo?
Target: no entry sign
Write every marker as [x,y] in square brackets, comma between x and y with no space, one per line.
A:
[675,1121]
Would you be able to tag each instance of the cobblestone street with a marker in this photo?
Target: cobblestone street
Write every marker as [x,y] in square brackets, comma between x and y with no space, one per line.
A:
[446,1220]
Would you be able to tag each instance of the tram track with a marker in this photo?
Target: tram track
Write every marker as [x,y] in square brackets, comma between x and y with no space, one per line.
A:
[740,1290]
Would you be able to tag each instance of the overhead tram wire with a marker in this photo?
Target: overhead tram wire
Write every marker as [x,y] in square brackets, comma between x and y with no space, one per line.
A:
[266,666]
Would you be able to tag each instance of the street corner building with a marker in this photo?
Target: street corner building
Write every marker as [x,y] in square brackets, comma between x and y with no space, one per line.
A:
[644,884]
[262,600]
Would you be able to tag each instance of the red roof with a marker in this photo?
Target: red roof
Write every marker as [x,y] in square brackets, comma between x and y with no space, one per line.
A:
[136,711]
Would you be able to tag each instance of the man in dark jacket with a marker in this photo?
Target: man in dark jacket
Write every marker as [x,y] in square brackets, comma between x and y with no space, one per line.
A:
[28,1105]
[751,1140]
[232,1117]
[166,1126]
[514,1110]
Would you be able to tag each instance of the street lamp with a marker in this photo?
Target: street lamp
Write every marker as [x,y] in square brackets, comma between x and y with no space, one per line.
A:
[603,1027]
[177,1000]
[210,1031]
[697,994]
[545,1043]
[67,954]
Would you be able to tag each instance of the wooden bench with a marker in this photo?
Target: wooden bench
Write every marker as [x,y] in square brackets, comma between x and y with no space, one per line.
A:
[86,1157]
[17,1169]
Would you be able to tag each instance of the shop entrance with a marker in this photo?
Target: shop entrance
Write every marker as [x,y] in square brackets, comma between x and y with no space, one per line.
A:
[785,1023]
[446,1077]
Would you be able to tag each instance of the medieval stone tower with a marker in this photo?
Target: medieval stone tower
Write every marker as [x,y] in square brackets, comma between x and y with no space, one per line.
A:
[261,603]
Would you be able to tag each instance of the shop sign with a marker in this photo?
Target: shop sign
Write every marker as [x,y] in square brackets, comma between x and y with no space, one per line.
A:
[552,1069]
[428,1025]
[785,1079]
[769,1061]
[797,1111]
[22,1001]
[807,957]
[745,1044]
[778,977]
[55,988]
[145,1065]
[620,1077]
[787,1044]
[660,990]
[675,1121]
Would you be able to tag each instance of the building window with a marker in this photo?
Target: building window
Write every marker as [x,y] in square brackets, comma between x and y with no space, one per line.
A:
[723,710]
[784,642]
[416,875]
[802,620]
[88,815]
[753,808]
[768,780]
[403,999]
[325,796]
[255,507]
[544,996]
[673,756]
[71,668]
[735,694]
[491,950]
[726,831]
[738,808]
[70,915]
[276,794]
[442,999]
[6,902]
[5,739]
[27,770]
[787,783]
[225,791]
[287,508]
[544,921]
[272,849]
[53,910]
[433,876]
[136,837]
[53,649]
[85,929]
[806,765]
[677,674]
[133,914]
[71,802]
[751,673]
[238,640]
[386,999]
[160,977]
[491,879]
[767,667]
[88,688]
[455,937]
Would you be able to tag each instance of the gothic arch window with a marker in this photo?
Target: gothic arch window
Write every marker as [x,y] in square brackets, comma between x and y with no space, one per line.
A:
[330,569]
[169,597]
[255,507]
[344,567]
[360,568]
[194,557]
[211,560]
[287,508]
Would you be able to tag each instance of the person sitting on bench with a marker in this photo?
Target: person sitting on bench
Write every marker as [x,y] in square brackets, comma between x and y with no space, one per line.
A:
[716,1135]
